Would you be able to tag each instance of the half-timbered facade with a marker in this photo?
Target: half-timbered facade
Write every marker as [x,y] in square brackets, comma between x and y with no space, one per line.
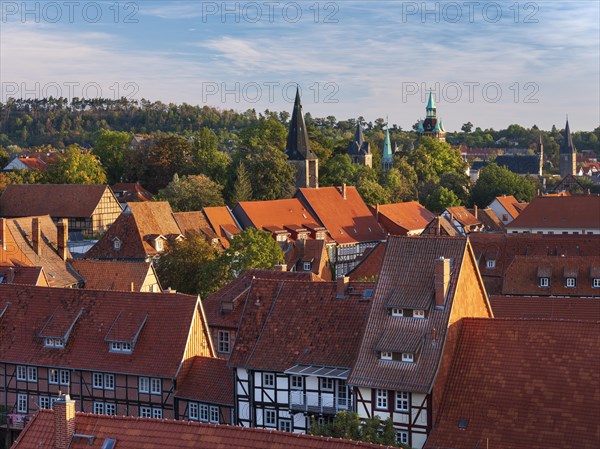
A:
[290,367]
[107,349]
[426,285]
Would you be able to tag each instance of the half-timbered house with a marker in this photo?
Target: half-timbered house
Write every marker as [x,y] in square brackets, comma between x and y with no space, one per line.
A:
[426,285]
[295,347]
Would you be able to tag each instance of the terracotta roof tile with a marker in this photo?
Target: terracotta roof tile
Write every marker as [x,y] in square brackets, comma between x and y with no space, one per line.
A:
[463,216]
[36,310]
[137,433]
[112,275]
[22,275]
[56,200]
[222,223]
[208,380]
[578,211]
[34,163]
[583,309]
[194,222]
[348,220]
[369,265]
[509,204]
[490,221]
[401,218]
[445,227]
[550,369]
[131,192]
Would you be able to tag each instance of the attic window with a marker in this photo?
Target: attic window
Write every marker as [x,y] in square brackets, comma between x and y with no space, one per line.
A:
[408,357]
[53,342]
[158,244]
[307,266]
[116,244]
[386,356]
[397,312]
[418,313]
[571,282]
[490,264]
[544,282]
[121,346]
[596,283]
[463,424]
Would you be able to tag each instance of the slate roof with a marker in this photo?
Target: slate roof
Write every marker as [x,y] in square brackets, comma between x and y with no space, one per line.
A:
[405,217]
[56,269]
[298,144]
[370,263]
[520,164]
[135,433]
[33,311]
[550,369]
[112,275]
[359,146]
[575,211]
[208,380]
[56,200]
[348,220]
[407,280]
[274,336]
[222,223]
[582,309]
[522,275]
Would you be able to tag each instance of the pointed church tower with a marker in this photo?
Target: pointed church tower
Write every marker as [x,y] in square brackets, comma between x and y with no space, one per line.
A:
[432,126]
[360,150]
[540,152]
[298,149]
[567,154]
[387,158]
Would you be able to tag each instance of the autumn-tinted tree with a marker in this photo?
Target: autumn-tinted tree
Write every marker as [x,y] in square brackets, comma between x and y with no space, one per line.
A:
[168,156]
[252,248]
[76,166]
[495,181]
[111,147]
[193,192]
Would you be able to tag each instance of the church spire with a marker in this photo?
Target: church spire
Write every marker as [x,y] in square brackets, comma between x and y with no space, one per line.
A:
[298,146]
[431,105]
[567,154]
[387,158]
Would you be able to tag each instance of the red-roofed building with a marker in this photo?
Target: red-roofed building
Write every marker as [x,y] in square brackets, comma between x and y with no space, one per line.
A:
[222,223]
[127,276]
[131,192]
[425,287]
[21,275]
[408,218]
[521,384]
[348,221]
[289,365]
[576,214]
[557,308]
[506,208]
[117,353]
[462,220]
[369,265]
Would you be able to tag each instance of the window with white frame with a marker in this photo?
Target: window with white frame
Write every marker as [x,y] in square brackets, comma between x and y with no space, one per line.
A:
[159,244]
[44,402]
[596,283]
[386,355]
[22,403]
[408,357]
[214,414]
[268,380]
[571,282]
[285,425]
[155,386]
[145,412]
[109,381]
[32,374]
[52,401]
[402,398]
[307,266]
[65,377]
[418,313]
[21,373]
[402,436]
[381,399]
[144,385]
[53,376]
[51,342]
[203,412]
[327,384]
[193,411]
[270,417]
[397,312]
[121,346]
[99,408]
[224,342]
[490,264]
[116,244]
[544,282]
[97,380]
[296,382]
[110,408]
[157,413]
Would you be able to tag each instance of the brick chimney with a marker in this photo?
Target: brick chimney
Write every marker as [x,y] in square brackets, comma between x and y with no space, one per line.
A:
[442,280]
[3,233]
[377,211]
[475,210]
[62,234]
[280,267]
[341,285]
[438,226]
[64,421]
[36,235]
[344,190]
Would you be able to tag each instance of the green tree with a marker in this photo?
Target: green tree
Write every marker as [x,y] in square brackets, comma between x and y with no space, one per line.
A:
[252,248]
[207,159]
[191,266]
[372,192]
[190,193]
[337,171]
[76,166]
[440,199]
[271,177]
[400,183]
[242,188]
[4,157]
[266,133]
[111,147]
[495,181]
[467,127]
[168,156]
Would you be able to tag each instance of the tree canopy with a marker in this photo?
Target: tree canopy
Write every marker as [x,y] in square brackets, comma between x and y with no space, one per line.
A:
[495,181]
[190,193]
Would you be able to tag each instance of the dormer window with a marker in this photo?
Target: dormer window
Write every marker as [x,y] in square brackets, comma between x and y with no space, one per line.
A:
[544,282]
[53,342]
[596,283]
[491,264]
[320,236]
[307,266]
[418,313]
[158,244]
[408,357]
[281,238]
[121,346]
[397,312]
[116,244]
[123,333]
[386,356]
[571,282]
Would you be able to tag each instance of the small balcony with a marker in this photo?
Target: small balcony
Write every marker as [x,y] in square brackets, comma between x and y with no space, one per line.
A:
[318,403]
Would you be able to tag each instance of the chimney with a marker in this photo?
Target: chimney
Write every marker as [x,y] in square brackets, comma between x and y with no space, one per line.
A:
[3,233]
[475,210]
[36,235]
[377,211]
[344,190]
[442,279]
[341,285]
[438,226]
[64,421]
[62,233]
[280,267]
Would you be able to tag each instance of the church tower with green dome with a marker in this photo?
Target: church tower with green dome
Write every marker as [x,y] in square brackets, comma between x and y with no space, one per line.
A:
[432,126]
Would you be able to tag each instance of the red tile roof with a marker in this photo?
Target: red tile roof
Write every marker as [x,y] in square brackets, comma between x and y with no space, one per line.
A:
[273,336]
[131,192]
[194,222]
[572,212]
[369,265]
[222,223]
[522,275]
[407,281]
[463,216]
[401,218]
[34,163]
[112,275]
[348,220]
[446,227]
[490,221]
[32,311]
[583,309]
[56,200]
[208,380]
[23,275]
[138,433]
[508,203]
[522,384]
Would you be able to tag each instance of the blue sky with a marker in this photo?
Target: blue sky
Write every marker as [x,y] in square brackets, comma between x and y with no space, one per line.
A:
[533,64]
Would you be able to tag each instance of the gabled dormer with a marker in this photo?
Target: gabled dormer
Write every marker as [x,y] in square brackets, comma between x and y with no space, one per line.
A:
[571,273]
[124,332]
[58,327]
[544,275]
[406,348]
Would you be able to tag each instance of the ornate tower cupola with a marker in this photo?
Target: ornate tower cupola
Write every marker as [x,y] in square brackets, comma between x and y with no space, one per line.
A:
[360,150]
[298,149]
[567,154]
[432,126]
[387,158]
